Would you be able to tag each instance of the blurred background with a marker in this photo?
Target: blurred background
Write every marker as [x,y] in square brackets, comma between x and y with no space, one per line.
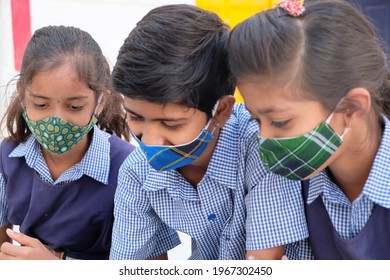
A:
[110,21]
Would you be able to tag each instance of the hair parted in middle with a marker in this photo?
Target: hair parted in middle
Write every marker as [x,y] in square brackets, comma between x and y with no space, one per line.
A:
[51,47]
[322,54]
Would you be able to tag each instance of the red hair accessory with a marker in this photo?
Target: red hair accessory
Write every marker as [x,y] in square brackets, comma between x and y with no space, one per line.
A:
[293,7]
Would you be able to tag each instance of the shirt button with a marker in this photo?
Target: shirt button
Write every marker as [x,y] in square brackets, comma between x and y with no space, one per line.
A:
[212,217]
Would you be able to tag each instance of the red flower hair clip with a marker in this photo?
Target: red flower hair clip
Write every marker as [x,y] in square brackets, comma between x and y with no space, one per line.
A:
[293,7]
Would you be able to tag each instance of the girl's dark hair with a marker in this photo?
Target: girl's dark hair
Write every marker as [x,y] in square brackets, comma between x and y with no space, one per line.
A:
[175,54]
[51,47]
[324,53]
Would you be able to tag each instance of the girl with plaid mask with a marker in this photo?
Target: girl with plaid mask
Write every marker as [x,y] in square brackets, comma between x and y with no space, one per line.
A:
[316,79]
[58,165]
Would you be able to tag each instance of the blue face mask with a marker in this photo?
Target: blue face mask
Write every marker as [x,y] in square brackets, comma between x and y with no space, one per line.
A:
[164,158]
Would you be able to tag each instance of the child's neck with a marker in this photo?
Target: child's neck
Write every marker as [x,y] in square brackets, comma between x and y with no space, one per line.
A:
[58,164]
[194,173]
[351,171]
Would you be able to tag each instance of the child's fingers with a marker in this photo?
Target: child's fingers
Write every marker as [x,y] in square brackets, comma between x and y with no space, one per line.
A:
[23,239]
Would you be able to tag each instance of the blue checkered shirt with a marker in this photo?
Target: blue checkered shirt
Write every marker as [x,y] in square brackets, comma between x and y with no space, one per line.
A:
[349,218]
[150,206]
[98,151]
[276,214]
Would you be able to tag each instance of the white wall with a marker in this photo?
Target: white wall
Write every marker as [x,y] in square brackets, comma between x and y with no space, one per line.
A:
[108,21]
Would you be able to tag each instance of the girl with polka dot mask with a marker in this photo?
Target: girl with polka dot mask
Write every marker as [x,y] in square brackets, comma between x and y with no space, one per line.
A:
[57,135]
[59,162]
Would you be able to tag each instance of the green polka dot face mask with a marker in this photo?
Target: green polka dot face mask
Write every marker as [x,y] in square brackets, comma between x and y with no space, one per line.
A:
[56,135]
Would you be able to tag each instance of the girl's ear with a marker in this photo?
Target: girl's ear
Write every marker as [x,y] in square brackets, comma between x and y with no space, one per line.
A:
[357,104]
[102,102]
[224,110]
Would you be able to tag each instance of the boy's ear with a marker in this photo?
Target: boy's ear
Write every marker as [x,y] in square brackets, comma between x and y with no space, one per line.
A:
[224,110]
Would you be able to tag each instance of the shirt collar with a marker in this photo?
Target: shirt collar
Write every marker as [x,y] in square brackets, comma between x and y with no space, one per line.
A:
[98,157]
[377,187]
[30,149]
[227,147]
[172,181]
[98,152]
[320,184]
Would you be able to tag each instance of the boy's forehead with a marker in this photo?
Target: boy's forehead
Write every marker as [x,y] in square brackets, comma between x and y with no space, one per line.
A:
[148,109]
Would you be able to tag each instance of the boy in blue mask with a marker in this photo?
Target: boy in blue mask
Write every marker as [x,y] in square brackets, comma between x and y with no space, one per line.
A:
[192,172]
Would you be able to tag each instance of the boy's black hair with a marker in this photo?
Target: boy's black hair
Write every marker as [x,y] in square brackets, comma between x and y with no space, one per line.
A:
[175,54]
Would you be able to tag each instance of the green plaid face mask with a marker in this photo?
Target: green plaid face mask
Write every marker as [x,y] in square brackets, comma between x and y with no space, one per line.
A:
[56,135]
[297,157]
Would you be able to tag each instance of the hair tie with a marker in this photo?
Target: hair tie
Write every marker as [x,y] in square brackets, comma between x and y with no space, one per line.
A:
[293,7]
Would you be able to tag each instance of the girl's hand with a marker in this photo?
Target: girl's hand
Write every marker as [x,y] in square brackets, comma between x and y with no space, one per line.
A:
[30,249]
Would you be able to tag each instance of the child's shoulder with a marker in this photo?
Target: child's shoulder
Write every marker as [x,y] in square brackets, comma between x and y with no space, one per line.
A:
[136,160]
[120,144]
[136,166]
[7,145]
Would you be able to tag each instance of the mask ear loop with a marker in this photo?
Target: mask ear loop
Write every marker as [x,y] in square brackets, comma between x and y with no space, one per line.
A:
[98,103]
[214,108]
[329,118]
[331,115]
[346,129]
[23,101]
[213,111]
[215,127]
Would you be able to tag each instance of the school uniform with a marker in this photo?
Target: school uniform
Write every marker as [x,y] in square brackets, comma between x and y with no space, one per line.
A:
[151,206]
[275,214]
[341,229]
[73,214]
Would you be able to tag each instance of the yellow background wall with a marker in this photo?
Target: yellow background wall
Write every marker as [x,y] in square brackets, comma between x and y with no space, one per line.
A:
[234,11]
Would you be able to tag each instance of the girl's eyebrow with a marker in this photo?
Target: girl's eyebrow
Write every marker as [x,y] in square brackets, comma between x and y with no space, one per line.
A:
[157,119]
[47,98]
[37,95]
[77,97]
[268,110]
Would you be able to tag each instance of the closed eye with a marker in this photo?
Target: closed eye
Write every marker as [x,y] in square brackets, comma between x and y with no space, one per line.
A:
[135,118]
[40,105]
[279,124]
[171,127]
[76,108]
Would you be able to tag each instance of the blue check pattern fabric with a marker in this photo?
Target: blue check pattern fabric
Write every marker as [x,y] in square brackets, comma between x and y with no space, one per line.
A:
[150,207]
[98,151]
[349,218]
[164,158]
[276,214]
